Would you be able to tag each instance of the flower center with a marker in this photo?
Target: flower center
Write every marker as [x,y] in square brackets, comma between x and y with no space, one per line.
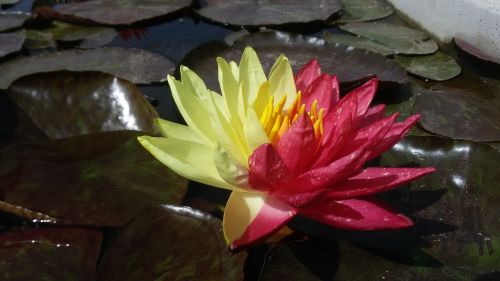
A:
[277,121]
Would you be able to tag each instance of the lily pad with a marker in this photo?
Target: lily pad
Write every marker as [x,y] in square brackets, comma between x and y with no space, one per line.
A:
[438,66]
[170,243]
[460,114]
[49,254]
[99,179]
[349,64]
[357,42]
[117,12]
[136,65]
[86,36]
[255,13]
[402,39]
[11,43]
[365,10]
[10,20]
[82,103]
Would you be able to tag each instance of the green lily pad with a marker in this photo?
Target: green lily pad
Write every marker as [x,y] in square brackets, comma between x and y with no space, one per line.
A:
[49,254]
[438,66]
[254,13]
[462,114]
[11,43]
[357,42]
[98,179]
[117,12]
[11,20]
[87,36]
[82,103]
[349,64]
[170,243]
[365,10]
[401,39]
[136,65]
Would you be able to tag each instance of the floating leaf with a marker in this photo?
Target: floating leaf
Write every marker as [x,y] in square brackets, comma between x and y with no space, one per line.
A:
[461,114]
[365,10]
[82,103]
[11,43]
[116,12]
[403,40]
[49,254]
[100,179]
[136,65]
[438,66]
[254,13]
[10,20]
[357,42]
[347,63]
[170,243]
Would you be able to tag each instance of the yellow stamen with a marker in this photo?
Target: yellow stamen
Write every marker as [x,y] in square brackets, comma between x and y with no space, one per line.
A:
[276,127]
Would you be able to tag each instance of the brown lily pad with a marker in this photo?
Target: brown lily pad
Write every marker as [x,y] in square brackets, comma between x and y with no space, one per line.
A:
[117,12]
[11,43]
[49,254]
[170,243]
[11,20]
[66,104]
[99,179]
[255,13]
[349,64]
[136,65]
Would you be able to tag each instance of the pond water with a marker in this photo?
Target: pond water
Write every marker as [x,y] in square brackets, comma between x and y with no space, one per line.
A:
[80,196]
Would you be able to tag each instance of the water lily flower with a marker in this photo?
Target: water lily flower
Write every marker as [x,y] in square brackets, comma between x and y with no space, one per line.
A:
[284,146]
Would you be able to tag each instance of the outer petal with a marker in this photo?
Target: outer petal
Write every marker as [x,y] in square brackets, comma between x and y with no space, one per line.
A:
[373,114]
[307,74]
[356,214]
[321,90]
[365,94]
[374,180]
[281,81]
[250,218]
[177,131]
[251,75]
[266,169]
[190,160]
[297,147]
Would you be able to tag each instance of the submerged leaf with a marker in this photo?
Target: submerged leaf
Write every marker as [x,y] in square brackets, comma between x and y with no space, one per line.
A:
[403,40]
[136,65]
[254,13]
[10,20]
[11,43]
[365,10]
[170,243]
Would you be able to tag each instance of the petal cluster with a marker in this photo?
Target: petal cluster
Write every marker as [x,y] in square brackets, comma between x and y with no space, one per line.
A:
[284,145]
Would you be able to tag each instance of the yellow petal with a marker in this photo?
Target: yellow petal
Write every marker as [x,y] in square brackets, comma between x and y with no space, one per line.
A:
[251,74]
[254,132]
[229,169]
[177,131]
[192,110]
[229,88]
[281,82]
[260,103]
[188,159]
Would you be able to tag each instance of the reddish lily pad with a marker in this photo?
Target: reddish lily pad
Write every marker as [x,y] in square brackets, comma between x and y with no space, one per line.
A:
[11,20]
[438,66]
[49,254]
[136,65]
[11,43]
[402,39]
[357,42]
[255,13]
[82,103]
[460,114]
[365,10]
[116,12]
[170,243]
[349,64]
[99,179]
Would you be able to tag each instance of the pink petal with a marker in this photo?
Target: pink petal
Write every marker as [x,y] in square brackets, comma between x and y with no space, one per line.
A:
[394,135]
[365,94]
[307,74]
[250,218]
[325,176]
[356,214]
[322,90]
[374,180]
[297,147]
[373,114]
[266,168]
[297,200]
